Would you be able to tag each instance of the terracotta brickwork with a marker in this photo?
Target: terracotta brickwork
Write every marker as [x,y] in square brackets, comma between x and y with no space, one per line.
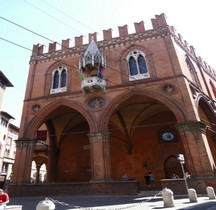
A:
[101,127]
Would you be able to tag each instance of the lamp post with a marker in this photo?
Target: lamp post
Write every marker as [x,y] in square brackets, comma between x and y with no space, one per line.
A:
[181,159]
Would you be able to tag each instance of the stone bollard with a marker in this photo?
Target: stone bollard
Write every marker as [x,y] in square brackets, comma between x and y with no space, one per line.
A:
[210,192]
[45,205]
[192,195]
[167,197]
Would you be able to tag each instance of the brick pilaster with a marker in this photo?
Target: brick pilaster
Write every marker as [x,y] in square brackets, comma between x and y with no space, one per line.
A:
[22,169]
[198,152]
[100,157]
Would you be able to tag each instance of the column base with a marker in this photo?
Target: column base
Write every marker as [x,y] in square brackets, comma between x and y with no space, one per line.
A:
[101,180]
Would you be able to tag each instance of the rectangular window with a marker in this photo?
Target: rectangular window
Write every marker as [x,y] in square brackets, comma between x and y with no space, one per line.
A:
[42,135]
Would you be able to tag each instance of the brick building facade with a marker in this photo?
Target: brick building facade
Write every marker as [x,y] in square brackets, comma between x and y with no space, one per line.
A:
[135,103]
[8,135]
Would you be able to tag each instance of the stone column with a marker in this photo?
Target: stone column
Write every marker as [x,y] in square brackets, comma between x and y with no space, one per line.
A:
[100,157]
[37,173]
[52,164]
[198,153]
[23,161]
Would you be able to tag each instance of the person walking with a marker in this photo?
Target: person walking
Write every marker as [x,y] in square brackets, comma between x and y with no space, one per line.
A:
[149,179]
[175,176]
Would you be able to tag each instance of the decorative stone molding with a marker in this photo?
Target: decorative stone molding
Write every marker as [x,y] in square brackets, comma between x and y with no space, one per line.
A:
[25,143]
[191,127]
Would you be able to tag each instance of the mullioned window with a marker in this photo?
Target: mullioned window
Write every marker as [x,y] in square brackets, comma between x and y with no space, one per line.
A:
[137,65]
[59,80]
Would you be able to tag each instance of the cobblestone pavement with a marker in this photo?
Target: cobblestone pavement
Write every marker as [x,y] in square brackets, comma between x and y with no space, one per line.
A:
[115,203]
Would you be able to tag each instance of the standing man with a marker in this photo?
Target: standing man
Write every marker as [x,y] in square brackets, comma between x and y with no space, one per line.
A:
[149,179]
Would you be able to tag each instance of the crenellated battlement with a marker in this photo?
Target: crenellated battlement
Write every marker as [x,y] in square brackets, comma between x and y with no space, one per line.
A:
[159,21]
[160,28]
[39,54]
[190,50]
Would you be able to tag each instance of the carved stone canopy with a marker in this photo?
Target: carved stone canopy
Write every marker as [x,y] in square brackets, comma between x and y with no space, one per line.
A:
[92,58]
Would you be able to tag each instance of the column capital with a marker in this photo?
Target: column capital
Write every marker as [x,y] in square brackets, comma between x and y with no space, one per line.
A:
[191,127]
[96,137]
[25,143]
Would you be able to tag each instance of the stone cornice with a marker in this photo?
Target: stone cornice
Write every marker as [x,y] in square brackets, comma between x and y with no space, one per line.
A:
[25,143]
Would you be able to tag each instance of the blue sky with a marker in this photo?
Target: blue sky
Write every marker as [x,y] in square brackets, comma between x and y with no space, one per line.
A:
[63,19]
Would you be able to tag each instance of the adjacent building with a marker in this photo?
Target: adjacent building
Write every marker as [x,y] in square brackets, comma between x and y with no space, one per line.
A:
[129,104]
[8,135]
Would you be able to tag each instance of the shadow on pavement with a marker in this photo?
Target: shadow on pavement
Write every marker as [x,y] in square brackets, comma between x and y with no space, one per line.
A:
[66,202]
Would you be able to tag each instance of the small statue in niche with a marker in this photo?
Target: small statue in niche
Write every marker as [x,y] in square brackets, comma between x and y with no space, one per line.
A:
[169,88]
[97,103]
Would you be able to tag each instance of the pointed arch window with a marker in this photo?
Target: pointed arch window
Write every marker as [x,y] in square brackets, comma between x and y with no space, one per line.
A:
[213,87]
[137,65]
[193,72]
[97,58]
[63,78]
[56,80]
[142,64]
[59,80]
[133,66]
[88,58]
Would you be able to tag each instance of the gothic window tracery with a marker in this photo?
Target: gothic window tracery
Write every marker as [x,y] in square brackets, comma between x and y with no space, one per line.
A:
[56,80]
[63,78]
[137,65]
[59,80]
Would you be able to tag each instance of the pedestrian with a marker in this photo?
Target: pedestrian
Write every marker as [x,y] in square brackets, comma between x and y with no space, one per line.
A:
[152,178]
[125,177]
[175,176]
[187,175]
[149,179]
[4,199]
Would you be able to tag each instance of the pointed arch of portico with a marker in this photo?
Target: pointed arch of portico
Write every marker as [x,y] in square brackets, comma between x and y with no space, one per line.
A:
[175,107]
[208,117]
[39,161]
[35,123]
[203,103]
